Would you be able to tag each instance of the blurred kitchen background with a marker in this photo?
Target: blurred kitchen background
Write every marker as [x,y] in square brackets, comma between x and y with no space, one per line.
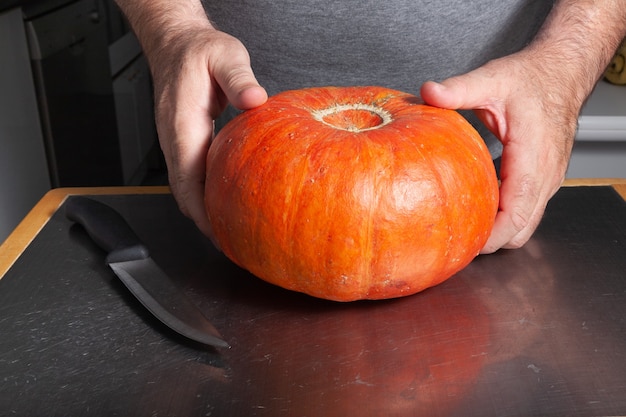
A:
[76,107]
[76,104]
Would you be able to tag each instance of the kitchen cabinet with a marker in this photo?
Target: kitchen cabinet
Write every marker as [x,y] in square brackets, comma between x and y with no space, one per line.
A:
[70,63]
[134,109]
[76,104]
[24,174]
[94,92]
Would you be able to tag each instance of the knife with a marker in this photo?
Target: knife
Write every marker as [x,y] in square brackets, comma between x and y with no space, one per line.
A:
[130,259]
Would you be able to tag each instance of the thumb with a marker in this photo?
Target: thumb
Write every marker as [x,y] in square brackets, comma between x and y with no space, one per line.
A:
[467,91]
[238,83]
[475,91]
[242,89]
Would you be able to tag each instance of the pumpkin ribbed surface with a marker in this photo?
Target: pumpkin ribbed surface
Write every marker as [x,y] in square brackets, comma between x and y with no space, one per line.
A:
[350,193]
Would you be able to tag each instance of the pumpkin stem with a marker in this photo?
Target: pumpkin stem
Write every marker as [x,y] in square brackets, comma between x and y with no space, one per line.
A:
[353,117]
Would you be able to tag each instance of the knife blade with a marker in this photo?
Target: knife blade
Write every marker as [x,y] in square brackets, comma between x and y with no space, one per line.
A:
[130,259]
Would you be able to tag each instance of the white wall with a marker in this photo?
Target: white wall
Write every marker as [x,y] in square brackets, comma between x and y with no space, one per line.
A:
[600,147]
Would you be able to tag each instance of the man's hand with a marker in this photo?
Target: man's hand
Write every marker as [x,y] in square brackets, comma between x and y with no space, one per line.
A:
[536,122]
[195,76]
[531,100]
[197,70]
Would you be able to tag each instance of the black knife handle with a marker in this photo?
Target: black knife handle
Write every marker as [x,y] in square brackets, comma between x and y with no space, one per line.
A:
[107,228]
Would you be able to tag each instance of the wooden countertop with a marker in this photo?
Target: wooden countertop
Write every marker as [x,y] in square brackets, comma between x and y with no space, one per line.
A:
[28,228]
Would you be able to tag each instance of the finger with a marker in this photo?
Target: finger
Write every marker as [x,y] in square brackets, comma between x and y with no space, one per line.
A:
[529,181]
[186,168]
[184,132]
[468,92]
[461,92]
[236,79]
[186,176]
[520,212]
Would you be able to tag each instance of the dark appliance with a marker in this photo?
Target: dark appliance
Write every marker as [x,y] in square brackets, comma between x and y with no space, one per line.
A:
[70,61]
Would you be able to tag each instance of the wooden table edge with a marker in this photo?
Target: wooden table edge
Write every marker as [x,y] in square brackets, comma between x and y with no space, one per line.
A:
[619,184]
[36,219]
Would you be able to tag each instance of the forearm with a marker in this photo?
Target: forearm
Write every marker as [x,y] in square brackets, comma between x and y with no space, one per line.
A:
[578,40]
[159,22]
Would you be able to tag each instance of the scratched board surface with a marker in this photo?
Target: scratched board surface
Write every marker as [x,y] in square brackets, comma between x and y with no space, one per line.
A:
[535,331]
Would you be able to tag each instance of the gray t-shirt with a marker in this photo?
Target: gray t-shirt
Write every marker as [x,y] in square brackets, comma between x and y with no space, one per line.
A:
[392,43]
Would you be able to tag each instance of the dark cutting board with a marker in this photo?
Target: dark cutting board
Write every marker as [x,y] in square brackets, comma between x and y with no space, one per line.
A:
[535,331]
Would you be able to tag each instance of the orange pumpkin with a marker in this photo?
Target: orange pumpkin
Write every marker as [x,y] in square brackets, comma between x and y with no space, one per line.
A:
[349,193]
